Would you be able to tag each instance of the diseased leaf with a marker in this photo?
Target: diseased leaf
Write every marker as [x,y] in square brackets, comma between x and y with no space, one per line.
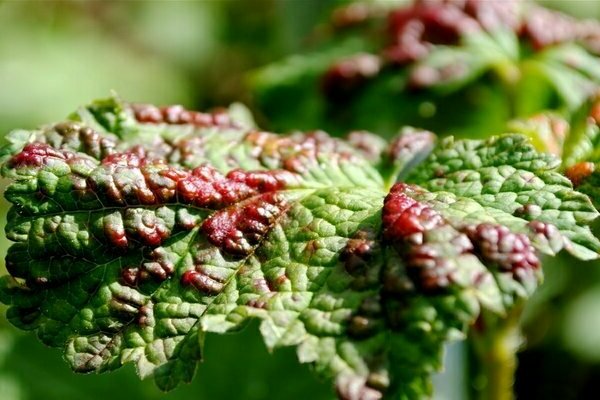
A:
[139,229]
[509,182]
[574,138]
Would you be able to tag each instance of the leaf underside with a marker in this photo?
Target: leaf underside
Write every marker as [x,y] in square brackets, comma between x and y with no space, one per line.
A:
[139,229]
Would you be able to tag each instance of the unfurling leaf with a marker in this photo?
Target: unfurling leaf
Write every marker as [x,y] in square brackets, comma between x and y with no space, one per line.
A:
[574,138]
[139,229]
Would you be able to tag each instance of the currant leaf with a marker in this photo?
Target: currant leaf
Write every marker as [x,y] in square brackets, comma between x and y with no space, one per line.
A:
[140,229]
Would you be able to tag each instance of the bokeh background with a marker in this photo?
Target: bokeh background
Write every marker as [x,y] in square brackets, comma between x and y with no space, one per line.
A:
[55,55]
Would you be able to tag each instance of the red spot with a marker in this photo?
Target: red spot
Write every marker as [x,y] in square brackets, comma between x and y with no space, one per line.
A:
[37,155]
[88,140]
[431,263]
[162,181]
[404,216]
[206,187]
[544,28]
[116,235]
[177,115]
[543,228]
[430,269]
[413,30]
[237,230]
[41,281]
[347,75]
[263,181]
[368,144]
[146,226]
[134,157]
[296,153]
[410,143]
[202,281]
[130,276]
[510,252]
[549,233]
[129,178]
[159,268]
[147,113]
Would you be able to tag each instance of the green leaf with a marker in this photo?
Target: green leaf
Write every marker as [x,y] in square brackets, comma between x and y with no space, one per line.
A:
[139,229]
[582,142]
[508,181]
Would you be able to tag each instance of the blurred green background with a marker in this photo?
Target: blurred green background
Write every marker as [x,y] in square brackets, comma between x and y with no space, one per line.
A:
[56,55]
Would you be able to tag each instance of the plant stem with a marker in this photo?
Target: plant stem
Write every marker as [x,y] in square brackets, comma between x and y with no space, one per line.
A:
[493,356]
[509,76]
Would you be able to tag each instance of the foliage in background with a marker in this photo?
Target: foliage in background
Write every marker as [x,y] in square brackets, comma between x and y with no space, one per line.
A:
[462,68]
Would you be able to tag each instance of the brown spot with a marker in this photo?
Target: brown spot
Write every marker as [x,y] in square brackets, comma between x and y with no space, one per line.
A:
[361,327]
[130,276]
[595,112]
[528,211]
[358,253]
[281,279]
[311,246]
[144,315]
[579,172]
[255,303]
